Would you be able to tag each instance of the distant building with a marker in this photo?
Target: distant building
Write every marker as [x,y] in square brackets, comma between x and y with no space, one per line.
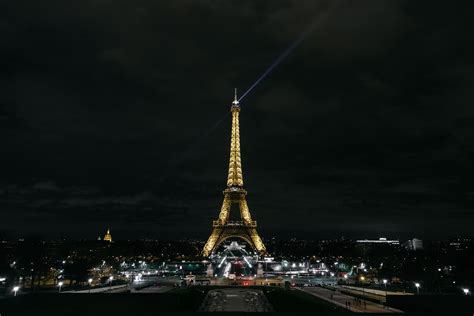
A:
[381,240]
[460,244]
[108,236]
[414,244]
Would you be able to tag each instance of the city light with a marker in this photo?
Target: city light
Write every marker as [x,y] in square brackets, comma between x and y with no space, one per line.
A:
[385,281]
[249,264]
[417,285]
[466,291]
[15,290]
[223,259]
[89,281]
[362,278]
[60,284]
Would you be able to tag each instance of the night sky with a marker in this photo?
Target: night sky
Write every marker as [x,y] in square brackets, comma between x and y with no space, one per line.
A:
[108,109]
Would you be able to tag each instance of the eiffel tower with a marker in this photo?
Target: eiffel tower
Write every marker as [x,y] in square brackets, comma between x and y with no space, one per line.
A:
[223,228]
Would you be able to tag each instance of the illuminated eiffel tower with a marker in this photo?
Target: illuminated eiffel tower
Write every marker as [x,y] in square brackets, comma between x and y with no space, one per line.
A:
[223,228]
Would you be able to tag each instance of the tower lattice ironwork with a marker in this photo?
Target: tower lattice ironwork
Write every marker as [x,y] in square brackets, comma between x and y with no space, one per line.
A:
[223,228]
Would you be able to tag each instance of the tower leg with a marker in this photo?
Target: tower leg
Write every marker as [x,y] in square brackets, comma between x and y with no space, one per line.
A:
[244,211]
[225,209]
[257,241]
[211,241]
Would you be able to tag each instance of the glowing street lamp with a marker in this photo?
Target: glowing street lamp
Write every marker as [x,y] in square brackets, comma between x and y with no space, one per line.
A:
[362,279]
[111,278]
[60,284]
[15,290]
[385,284]
[417,285]
[466,291]
[89,282]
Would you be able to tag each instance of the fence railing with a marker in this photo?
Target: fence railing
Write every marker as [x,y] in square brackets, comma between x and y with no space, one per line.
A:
[218,223]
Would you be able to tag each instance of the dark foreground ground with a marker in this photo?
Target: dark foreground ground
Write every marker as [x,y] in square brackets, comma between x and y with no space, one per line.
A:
[179,300]
[189,300]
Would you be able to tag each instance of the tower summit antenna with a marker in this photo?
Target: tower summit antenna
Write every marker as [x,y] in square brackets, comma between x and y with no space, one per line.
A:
[236,101]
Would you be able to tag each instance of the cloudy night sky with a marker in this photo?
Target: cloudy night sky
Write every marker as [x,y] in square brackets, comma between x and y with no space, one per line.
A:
[113,114]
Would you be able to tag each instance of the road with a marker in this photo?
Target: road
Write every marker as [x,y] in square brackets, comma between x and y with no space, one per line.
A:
[340,299]
[235,300]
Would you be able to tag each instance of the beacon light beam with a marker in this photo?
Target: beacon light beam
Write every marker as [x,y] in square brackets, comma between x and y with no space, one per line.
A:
[282,57]
[288,51]
[285,54]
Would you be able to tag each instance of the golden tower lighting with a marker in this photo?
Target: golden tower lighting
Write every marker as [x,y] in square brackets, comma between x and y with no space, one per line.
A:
[108,236]
[223,228]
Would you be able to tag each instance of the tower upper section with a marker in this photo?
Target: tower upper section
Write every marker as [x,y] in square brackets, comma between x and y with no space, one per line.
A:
[235,179]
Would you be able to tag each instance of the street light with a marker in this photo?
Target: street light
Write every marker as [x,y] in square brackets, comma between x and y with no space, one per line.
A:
[362,278]
[417,285]
[385,284]
[90,282]
[466,291]
[60,284]
[111,278]
[15,289]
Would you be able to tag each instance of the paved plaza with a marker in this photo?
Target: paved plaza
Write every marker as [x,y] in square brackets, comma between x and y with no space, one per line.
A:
[235,300]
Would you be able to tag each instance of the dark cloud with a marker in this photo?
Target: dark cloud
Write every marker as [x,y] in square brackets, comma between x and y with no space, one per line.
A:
[367,127]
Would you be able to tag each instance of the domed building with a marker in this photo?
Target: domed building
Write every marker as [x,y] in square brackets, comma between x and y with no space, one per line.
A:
[108,236]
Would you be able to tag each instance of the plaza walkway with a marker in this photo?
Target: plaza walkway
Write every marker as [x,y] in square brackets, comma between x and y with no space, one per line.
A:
[337,298]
